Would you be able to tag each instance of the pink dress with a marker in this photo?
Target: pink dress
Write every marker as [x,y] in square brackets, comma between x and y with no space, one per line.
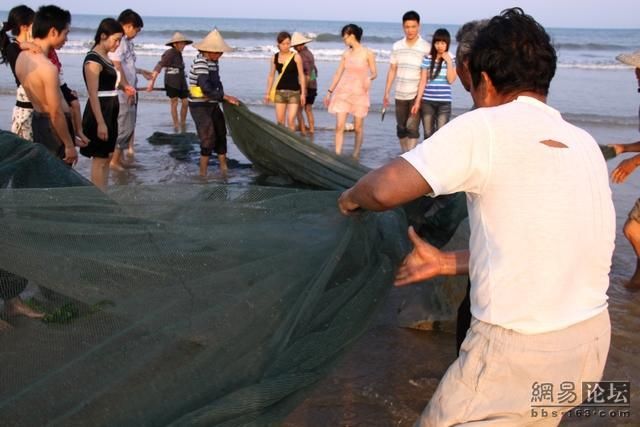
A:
[351,95]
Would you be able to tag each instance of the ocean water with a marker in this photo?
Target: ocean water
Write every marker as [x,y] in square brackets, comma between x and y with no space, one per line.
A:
[590,86]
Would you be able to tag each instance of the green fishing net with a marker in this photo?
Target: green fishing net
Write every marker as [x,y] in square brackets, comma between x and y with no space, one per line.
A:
[178,304]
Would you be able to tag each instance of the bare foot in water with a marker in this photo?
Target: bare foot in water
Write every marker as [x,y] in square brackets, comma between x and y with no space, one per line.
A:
[17,307]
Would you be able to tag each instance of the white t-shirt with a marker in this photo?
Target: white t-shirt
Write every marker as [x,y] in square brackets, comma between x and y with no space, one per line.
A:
[126,55]
[542,219]
[408,59]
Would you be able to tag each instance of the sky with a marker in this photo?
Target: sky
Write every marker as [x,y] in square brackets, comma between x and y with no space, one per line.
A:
[550,13]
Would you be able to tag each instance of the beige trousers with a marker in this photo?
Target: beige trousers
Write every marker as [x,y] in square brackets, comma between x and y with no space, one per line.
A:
[496,379]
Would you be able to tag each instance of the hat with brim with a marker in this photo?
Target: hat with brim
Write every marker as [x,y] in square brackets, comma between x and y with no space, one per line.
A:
[632,59]
[213,42]
[177,38]
[298,39]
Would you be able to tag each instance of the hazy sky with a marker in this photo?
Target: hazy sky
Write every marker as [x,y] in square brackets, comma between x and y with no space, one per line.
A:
[551,13]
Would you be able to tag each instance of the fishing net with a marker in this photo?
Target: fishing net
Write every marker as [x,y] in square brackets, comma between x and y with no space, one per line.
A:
[275,150]
[178,305]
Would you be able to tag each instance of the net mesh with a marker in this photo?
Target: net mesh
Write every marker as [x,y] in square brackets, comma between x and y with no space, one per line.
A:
[178,304]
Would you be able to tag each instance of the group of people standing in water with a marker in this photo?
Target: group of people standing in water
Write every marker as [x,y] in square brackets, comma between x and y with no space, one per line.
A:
[52,117]
[422,73]
[106,129]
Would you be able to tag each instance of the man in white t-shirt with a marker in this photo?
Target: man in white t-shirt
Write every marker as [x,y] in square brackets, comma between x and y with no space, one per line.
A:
[404,69]
[542,234]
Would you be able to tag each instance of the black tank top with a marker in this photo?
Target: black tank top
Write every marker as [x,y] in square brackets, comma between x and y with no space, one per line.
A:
[289,80]
[108,76]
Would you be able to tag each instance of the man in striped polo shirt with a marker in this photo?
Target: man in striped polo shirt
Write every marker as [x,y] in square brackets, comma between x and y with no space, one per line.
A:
[404,69]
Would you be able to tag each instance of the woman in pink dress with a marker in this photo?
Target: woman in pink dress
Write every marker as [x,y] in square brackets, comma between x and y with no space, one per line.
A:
[349,89]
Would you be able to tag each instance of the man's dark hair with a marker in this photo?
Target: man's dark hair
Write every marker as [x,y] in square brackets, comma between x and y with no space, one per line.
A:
[465,37]
[48,17]
[515,52]
[412,15]
[128,16]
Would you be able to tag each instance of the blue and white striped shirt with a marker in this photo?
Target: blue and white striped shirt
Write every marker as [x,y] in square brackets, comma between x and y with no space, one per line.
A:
[438,88]
[206,75]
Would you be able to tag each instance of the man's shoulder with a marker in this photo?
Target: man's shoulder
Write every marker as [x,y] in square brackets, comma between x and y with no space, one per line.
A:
[171,52]
[421,45]
[37,59]
[306,54]
[400,44]
[200,63]
[36,68]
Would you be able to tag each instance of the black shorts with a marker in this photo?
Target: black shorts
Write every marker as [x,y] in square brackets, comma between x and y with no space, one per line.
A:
[173,92]
[311,96]
[43,133]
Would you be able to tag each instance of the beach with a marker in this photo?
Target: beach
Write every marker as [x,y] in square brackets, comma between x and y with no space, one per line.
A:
[388,376]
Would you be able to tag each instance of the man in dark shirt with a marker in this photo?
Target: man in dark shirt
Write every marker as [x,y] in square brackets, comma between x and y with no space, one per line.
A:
[299,43]
[175,84]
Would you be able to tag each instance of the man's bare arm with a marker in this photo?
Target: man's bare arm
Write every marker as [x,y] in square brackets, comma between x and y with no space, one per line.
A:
[632,147]
[53,104]
[391,76]
[390,186]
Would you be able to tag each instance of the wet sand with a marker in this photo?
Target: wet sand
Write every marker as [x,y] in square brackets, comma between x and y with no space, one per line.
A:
[389,375]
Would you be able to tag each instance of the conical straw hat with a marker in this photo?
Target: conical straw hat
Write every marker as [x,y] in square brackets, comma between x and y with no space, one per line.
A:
[632,59]
[213,43]
[178,37]
[298,38]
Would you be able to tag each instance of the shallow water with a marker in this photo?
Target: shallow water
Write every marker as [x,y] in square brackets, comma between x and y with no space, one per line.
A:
[390,374]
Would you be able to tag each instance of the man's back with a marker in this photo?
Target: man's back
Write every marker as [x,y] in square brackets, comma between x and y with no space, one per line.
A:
[38,77]
[540,209]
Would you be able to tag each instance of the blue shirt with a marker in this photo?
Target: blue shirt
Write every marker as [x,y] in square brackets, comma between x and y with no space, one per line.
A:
[438,88]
